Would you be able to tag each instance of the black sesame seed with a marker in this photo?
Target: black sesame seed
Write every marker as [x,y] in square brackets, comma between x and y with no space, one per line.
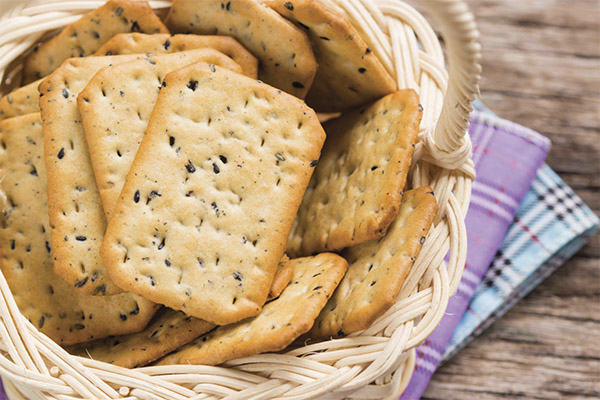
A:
[228,6]
[65,93]
[136,196]
[341,333]
[200,262]
[374,167]
[161,245]
[152,62]
[318,287]
[41,323]
[34,171]
[136,311]
[80,283]
[298,85]
[324,38]
[81,238]
[61,153]
[94,276]
[166,44]
[372,283]
[119,11]
[223,159]
[171,141]
[289,6]
[238,276]
[193,85]
[167,263]
[122,93]
[313,163]
[368,51]
[108,53]
[79,327]
[304,26]
[190,167]
[135,27]
[152,281]
[212,67]
[12,245]
[362,70]
[422,240]
[216,169]
[48,248]
[123,316]
[279,157]
[96,35]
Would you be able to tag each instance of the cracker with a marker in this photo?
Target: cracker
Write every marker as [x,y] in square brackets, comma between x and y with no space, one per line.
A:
[355,192]
[127,92]
[87,34]
[283,276]
[377,270]
[136,43]
[286,57]
[279,323]
[168,331]
[21,101]
[349,73]
[208,204]
[75,208]
[52,305]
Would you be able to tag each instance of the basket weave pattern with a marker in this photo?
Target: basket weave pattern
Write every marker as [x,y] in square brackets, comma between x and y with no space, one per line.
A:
[373,364]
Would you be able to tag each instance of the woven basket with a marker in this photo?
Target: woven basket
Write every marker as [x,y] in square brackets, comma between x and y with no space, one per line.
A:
[373,364]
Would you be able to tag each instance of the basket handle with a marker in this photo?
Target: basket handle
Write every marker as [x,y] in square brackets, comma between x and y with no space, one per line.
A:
[460,34]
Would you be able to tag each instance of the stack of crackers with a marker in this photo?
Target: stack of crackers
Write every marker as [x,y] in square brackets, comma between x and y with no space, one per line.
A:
[171,196]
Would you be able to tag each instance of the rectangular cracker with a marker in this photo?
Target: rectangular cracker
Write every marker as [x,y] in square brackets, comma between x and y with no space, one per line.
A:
[21,101]
[127,92]
[84,36]
[208,204]
[75,208]
[279,323]
[377,270]
[136,43]
[355,192]
[168,330]
[349,73]
[286,57]
[52,305]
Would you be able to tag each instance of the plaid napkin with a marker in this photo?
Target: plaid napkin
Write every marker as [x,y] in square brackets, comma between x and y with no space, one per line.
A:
[551,224]
[507,157]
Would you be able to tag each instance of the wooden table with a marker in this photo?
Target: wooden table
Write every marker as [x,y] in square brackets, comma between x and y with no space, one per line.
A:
[541,68]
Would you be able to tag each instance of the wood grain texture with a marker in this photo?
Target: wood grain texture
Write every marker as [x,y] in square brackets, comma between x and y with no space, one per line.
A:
[541,68]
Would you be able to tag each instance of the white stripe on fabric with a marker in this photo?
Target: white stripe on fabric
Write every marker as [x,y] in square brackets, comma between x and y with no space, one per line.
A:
[488,205]
[493,192]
